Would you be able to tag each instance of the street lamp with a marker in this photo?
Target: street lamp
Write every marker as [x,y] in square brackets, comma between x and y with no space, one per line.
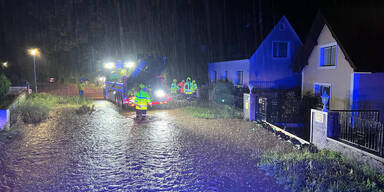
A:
[34,52]
[5,64]
[324,100]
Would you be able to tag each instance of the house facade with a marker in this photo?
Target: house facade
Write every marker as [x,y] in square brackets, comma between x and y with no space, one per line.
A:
[328,71]
[352,81]
[235,71]
[269,67]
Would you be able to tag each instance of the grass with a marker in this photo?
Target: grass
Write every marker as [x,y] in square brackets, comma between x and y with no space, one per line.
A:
[213,111]
[53,101]
[322,171]
[36,108]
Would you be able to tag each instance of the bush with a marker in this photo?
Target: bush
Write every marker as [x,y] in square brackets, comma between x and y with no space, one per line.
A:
[85,109]
[213,111]
[32,113]
[290,108]
[4,85]
[308,102]
[37,106]
[224,92]
[51,101]
[204,92]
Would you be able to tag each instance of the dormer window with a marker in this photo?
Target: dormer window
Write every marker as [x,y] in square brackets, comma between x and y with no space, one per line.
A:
[282,27]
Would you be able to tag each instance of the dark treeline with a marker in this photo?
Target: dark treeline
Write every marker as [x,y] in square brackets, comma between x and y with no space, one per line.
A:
[74,35]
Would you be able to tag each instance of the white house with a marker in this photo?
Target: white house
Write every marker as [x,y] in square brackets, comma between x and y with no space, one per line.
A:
[236,71]
[269,67]
[341,57]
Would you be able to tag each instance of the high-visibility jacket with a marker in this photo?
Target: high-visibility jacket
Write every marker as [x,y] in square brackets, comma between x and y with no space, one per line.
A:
[174,88]
[181,85]
[193,87]
[80,86]
[142,100]
[187,88]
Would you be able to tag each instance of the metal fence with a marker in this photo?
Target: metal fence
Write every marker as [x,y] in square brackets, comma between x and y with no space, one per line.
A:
[362,129]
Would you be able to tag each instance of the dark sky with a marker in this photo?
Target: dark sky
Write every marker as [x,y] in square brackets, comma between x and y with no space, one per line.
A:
[74,35]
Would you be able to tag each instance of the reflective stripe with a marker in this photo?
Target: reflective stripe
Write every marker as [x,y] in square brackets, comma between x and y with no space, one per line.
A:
[142,97]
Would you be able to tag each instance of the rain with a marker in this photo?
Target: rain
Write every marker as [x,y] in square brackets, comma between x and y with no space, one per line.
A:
[189,95]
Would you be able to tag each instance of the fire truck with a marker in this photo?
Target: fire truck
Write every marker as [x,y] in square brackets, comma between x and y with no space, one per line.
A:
[121,79]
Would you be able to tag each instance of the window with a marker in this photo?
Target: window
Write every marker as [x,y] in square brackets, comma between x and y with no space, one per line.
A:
[328,56]
[319,89]
[214,75]
[280,49]
[282,27]
[239,76]
[226,75]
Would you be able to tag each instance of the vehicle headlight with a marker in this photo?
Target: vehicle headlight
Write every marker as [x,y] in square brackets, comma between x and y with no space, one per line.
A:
[109,65]
[101,78]
[160,93]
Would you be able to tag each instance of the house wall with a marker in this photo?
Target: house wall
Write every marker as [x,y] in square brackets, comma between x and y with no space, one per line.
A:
[276,72]
[339,77]
[369,92]
[232,67]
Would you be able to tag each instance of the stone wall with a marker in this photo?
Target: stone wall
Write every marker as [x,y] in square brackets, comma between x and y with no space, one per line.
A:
[10,116]
[353,153]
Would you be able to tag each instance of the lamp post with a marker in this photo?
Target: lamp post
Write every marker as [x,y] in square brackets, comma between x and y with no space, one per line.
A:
[34,52]
[324,100]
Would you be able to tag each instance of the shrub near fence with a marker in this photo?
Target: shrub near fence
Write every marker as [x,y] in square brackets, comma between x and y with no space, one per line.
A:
[289,107]
[4,85]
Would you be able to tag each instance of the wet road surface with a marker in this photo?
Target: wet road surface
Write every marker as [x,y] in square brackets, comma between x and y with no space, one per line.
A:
[108,151]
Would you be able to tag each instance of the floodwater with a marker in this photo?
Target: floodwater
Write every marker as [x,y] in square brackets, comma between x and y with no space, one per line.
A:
[108,151]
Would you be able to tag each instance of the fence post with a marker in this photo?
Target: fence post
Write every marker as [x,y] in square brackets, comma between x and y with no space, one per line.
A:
[381,139]
[249,106]
[318,128]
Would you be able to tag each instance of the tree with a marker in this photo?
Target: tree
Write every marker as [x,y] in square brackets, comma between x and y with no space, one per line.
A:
[4,85]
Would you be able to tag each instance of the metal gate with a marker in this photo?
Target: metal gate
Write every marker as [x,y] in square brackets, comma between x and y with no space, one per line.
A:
[361,128]
[262,106]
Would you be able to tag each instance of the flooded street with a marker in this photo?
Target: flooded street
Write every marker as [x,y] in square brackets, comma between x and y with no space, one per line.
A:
[108,151]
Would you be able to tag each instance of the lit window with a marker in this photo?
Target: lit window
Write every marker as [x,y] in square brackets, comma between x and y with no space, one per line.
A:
[328,56]
[280,49]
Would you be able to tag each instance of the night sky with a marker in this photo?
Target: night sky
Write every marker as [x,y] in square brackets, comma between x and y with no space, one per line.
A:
[74,35]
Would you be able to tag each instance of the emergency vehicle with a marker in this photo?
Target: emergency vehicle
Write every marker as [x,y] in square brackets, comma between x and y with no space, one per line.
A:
[123,77]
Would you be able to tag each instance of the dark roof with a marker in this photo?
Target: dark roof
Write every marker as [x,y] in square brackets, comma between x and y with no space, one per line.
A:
[231,58]
[359,32]
[249,42]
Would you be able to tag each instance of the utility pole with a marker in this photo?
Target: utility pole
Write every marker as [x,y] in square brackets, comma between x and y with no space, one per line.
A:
[34,69]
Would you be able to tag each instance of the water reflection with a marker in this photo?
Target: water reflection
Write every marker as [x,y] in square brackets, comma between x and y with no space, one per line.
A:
[108,151]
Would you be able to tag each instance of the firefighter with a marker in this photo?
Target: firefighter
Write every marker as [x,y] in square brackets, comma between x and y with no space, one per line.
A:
[194,86]
[181,85]
[80,86]
[188,86]
[174,87]
[142,100]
